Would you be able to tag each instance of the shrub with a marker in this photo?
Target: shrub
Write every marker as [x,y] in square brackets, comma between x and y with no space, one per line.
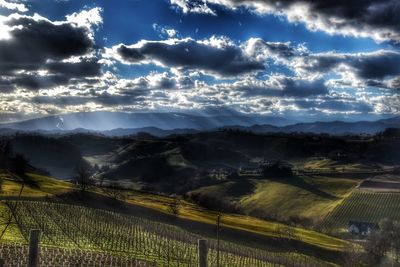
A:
[277,170]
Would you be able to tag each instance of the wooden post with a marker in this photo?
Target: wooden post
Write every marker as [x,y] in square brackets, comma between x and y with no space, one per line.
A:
[203,251]
[218,224]
[1,263]
[34,237]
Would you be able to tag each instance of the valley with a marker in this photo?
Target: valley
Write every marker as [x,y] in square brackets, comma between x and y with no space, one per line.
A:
[186,181]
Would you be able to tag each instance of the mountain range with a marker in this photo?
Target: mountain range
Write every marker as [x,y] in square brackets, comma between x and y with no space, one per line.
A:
[164,124]
[103,121]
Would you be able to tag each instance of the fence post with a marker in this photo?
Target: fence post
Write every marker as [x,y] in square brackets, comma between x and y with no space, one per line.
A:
[218,225]
[34,237]
[203,251]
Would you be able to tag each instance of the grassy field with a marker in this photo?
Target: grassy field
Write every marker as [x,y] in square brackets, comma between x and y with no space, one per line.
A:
[325,164]
[41,186]
[71,226]
[49,187]
[247,223]
[362,206]
[309,198]
[9,229]
[15,254]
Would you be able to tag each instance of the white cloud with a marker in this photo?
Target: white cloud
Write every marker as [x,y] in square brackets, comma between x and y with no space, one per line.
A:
[193,6]
[185,86]
[86,18]
[163,91]
[4,29]
[13,6]
[373,18]
[353,69]
[217,56]
[165,31]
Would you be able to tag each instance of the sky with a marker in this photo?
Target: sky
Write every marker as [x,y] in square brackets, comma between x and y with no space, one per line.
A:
[306,60]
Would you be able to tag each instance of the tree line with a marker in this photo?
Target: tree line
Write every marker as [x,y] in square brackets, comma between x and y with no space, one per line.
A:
[382,246]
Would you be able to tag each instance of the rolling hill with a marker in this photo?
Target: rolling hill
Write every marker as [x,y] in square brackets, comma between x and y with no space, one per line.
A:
[49,195]
[181,155]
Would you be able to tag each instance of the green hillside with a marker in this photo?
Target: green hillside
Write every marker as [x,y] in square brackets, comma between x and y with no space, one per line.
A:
[71,226]
[49,187]
[302,199]
[362,206]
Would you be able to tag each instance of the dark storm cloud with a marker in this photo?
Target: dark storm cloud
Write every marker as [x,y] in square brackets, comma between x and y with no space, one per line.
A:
[227,60]
[186,82]
[37,44]
[6,85]
[376,65]
[334,104]
[59,100]
[284,87]
[129,98]
[33,41]
[31,82]
[103,98]
[374,18]
[129,54]
[320,62]
[83,68]
[394,83]
[389,84]
[167,84]
[302,88]
[35,82]
[375,83]
[58,73]
[376,14]
[284,50]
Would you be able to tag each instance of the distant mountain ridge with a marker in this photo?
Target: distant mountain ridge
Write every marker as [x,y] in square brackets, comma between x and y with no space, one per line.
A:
[104,121]
[164,124]
[333,127]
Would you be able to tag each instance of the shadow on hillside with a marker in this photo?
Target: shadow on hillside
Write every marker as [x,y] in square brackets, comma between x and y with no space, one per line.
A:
[93,200]
[302,184]
[240,188]
[25,179]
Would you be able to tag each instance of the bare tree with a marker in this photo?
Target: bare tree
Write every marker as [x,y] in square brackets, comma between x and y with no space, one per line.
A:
[174,206]
[287,234]
[21,165]
[390,230]
[20,169]
[82,178]
[377,246]
[6,216]
[352,255]
[396,240]
[114,191]
[5,154]
[6,220]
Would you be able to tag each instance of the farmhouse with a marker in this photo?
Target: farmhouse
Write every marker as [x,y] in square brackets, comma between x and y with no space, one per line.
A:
[361,228]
